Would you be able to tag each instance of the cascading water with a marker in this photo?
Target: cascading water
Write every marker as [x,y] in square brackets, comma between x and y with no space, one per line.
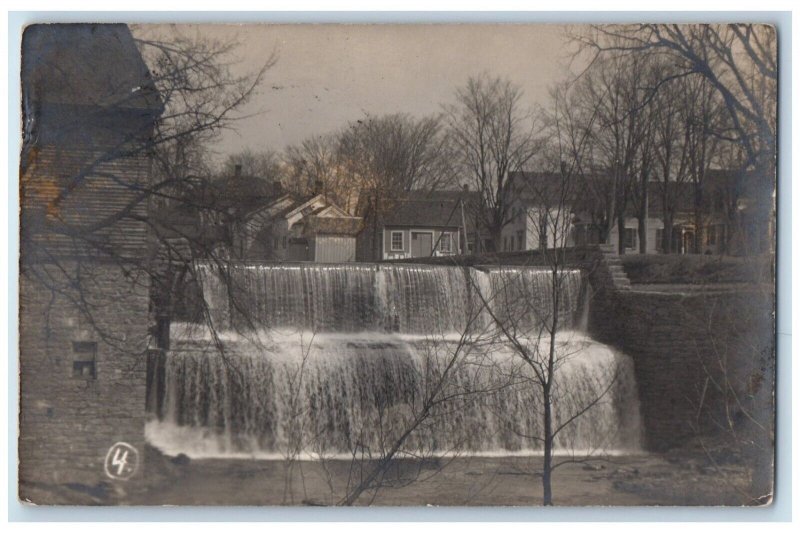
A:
[327,360]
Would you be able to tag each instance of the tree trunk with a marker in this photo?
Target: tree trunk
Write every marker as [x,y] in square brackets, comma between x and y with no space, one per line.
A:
[496,233]
[621,234]
[643,213]
[643,234]
[547,490]
[698,232]
[666,235]
[698,217]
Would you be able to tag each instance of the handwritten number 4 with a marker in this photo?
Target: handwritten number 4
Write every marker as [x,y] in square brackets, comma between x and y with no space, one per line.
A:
[120,460]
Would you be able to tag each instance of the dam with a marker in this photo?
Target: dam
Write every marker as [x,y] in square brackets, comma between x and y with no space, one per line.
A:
[327,361]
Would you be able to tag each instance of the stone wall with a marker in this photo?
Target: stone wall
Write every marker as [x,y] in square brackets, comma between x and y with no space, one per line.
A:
[69,419]
[703,358]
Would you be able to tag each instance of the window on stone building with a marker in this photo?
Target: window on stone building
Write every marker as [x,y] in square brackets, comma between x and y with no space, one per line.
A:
[659,239]
[84,358]
[520,240]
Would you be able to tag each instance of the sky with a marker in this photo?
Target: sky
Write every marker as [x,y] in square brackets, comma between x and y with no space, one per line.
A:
[327,75]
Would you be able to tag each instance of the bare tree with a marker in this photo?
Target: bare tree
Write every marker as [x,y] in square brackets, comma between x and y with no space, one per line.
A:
[703,120]
[405,430]
[395,153]
[387,156]
[671,124]
[314,165]
[376,158]
[738,60]
[265,164]
[529,324]
[612,86]
[493,137]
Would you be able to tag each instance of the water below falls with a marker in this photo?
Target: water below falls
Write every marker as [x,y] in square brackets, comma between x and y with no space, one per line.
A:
[327,361]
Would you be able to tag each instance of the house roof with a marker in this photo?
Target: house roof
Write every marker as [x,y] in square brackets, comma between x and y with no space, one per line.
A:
[540,188]
[430,209]
[244,195]
[327,218]
[96,65]
[305,204]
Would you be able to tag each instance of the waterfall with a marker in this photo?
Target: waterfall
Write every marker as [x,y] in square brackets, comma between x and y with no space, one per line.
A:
[324,360]
[389,298]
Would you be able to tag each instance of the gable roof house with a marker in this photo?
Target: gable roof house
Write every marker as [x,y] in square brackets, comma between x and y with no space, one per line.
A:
[738,213]
[420,224]
[308,229]
[543,213]
[735,214]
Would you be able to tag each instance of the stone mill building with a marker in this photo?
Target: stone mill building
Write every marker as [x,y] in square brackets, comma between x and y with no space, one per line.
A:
[89,112]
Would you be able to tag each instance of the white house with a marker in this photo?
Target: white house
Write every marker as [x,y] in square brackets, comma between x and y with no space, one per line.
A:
[313,229]
[536,219]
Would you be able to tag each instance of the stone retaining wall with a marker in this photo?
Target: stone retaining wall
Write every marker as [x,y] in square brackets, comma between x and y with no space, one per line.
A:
[703,359]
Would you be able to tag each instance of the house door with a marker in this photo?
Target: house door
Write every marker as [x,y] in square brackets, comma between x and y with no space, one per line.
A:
[421,244]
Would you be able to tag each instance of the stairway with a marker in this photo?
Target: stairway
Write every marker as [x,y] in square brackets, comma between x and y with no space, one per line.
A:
[612,264]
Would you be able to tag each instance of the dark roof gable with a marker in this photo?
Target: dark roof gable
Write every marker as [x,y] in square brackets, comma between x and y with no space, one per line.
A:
[433,209]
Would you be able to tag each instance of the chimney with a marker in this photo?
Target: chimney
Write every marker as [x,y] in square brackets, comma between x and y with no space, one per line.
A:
[237,171]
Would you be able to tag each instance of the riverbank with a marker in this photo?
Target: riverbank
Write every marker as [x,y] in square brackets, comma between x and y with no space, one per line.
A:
[635,480]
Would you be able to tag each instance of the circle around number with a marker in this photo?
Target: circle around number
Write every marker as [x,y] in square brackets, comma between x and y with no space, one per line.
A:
[122,461]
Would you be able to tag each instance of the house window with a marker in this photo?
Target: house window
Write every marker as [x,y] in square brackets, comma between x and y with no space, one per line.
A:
[84,357]
[659,240]
[630,237]
[520,240]
[446,243]
[397,241]
[284,241]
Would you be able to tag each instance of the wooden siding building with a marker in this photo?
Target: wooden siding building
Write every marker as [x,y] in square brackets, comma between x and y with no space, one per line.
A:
[421,224]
